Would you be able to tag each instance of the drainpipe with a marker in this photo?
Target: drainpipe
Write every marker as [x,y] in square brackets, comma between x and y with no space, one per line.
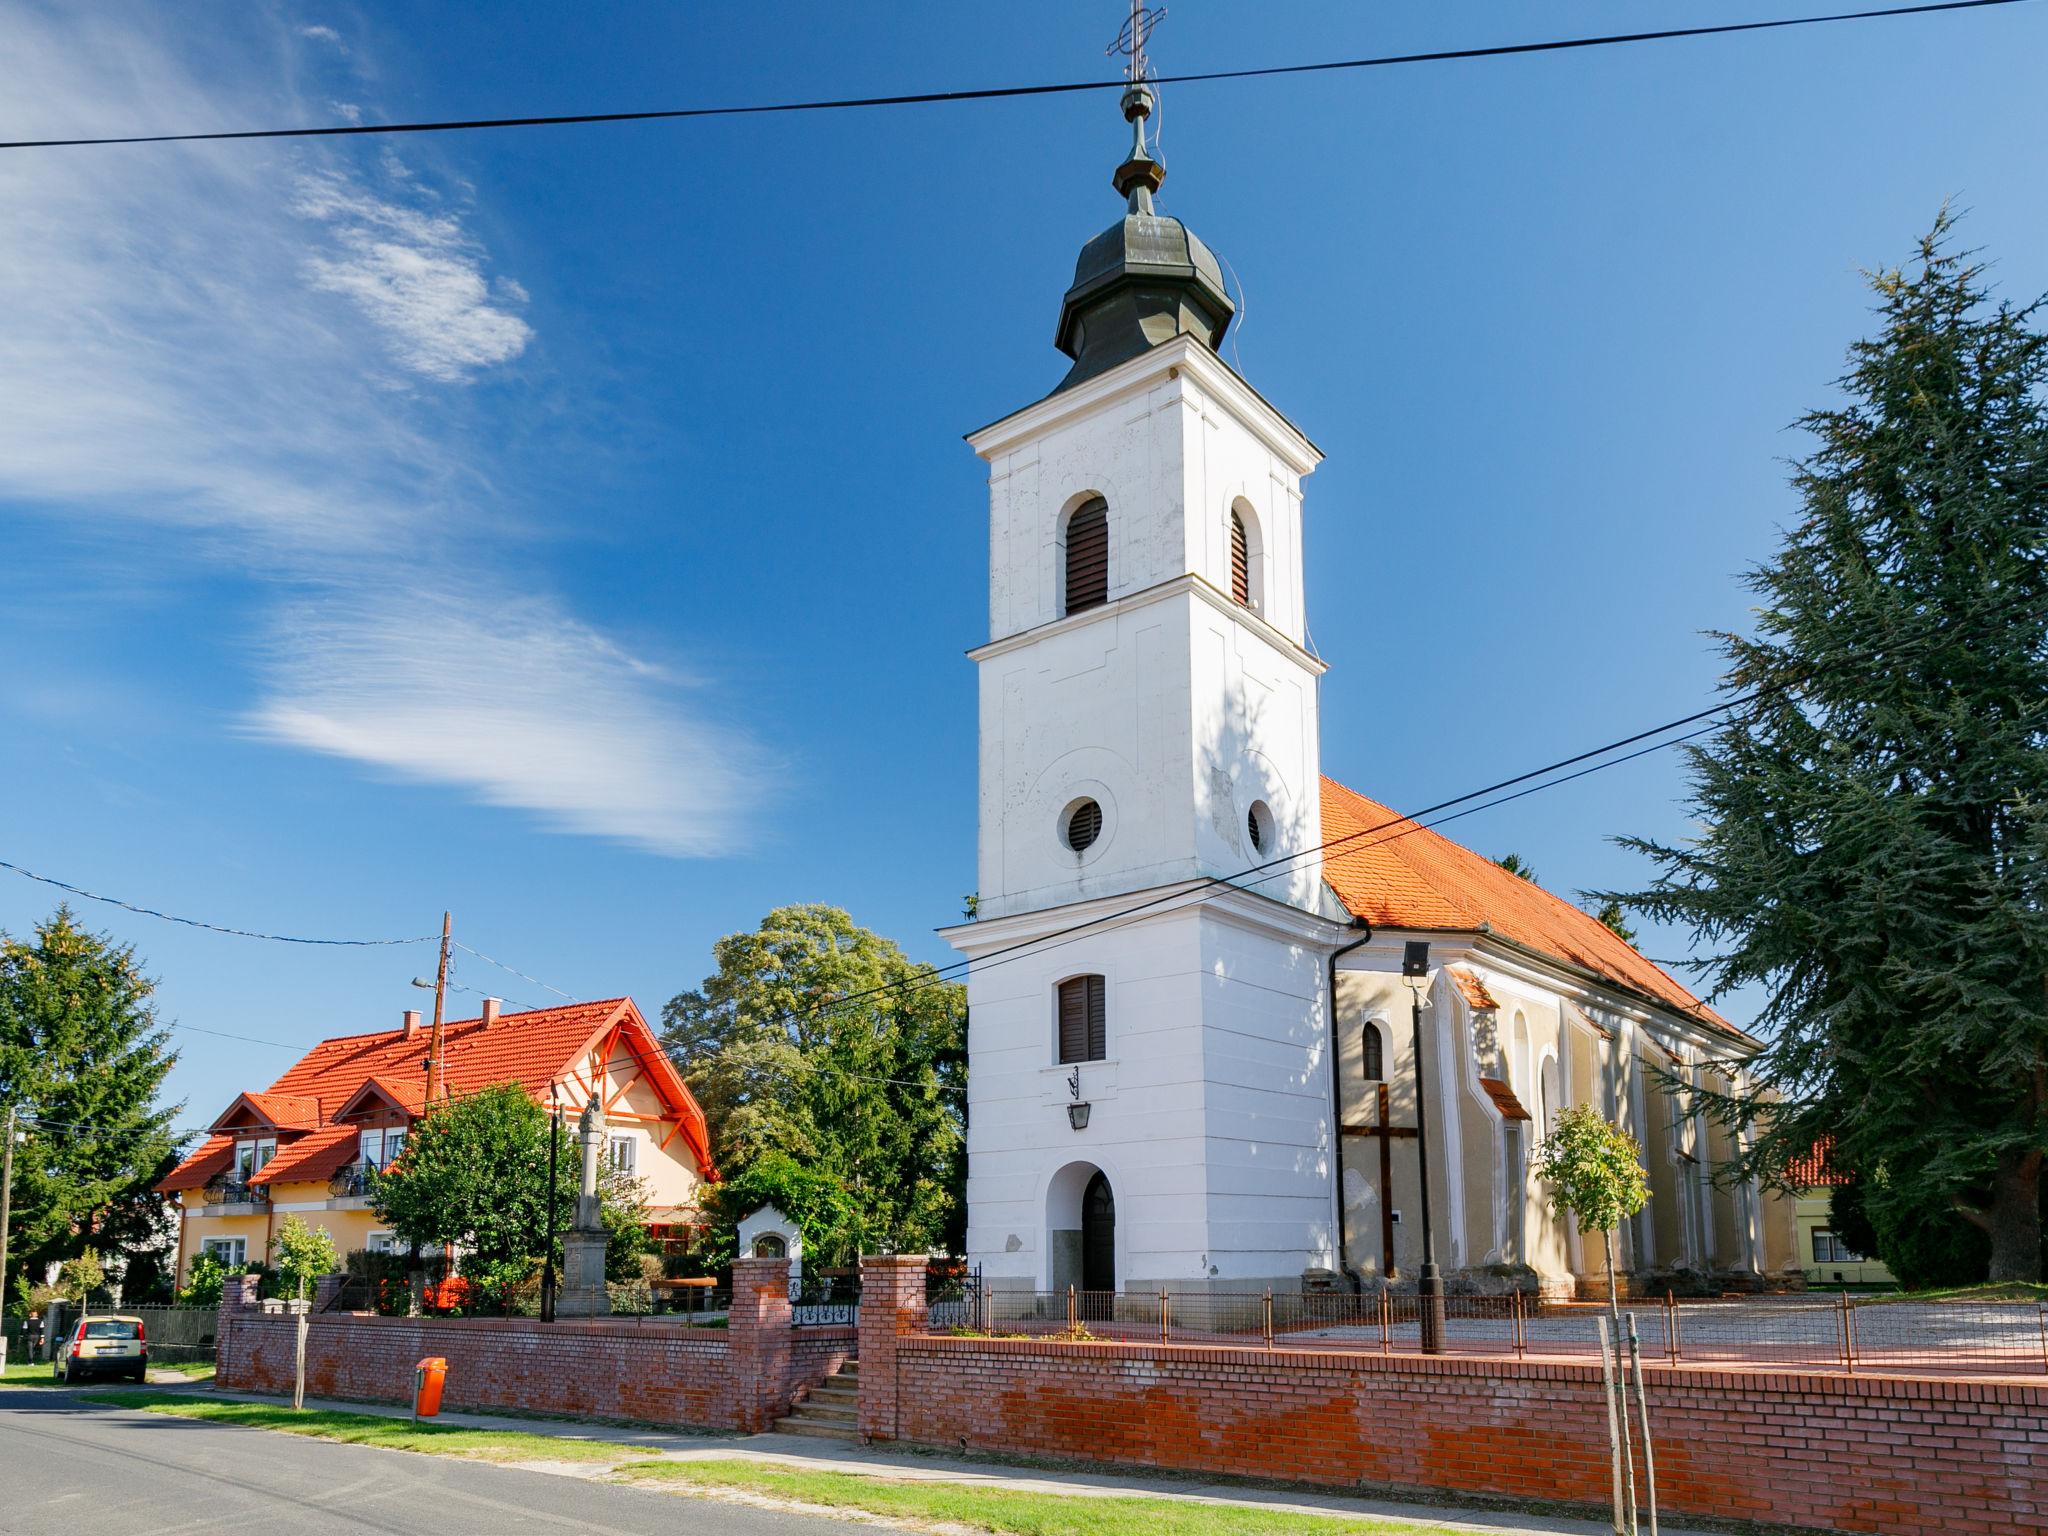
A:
[1337,1109]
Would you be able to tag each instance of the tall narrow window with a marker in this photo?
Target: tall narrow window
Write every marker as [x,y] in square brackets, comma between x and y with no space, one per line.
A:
[1088,556]
[1240,562]
[1083,1019]
[1375,1060]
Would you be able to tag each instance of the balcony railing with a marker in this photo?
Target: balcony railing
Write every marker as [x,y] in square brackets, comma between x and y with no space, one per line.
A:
[355,1179]
[236,1192]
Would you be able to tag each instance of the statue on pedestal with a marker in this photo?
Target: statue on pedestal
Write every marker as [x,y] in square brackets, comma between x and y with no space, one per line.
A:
[583,1245]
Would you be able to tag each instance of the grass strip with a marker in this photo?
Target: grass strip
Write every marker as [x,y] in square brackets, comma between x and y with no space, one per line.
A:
[1010,1510]
[23,1373]
[2000,1290]
[375,1429]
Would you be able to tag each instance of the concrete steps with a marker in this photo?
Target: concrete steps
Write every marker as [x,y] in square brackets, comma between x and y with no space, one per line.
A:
[831,1411]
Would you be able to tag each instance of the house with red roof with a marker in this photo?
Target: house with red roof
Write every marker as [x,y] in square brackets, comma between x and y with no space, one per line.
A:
[1824,1255]
[313,1141]
[1193,1056]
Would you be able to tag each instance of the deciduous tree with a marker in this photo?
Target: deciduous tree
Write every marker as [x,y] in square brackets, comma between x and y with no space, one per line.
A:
[474,1173]
[820,1039]
[1595,1172]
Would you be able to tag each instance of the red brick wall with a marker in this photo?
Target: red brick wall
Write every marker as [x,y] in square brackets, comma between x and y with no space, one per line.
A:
[892,1315]
[740,1377]
[1904,1456]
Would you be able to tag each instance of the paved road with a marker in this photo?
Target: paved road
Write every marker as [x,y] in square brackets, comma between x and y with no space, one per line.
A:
[67,1467]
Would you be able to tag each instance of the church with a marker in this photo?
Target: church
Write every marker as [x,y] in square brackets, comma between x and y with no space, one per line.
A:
[1193,1051]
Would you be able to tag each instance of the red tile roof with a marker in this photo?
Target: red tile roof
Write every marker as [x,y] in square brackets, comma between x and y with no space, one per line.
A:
[286,1111]
[1504,1099]
[1812,1171]
[215,1156]
[319,1155]
[1472,989]
[533,1049]
[1396,874]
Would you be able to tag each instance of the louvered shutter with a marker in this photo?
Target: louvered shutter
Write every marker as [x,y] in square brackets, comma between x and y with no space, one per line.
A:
[1240,562]
[1088,556]
[1083,1019]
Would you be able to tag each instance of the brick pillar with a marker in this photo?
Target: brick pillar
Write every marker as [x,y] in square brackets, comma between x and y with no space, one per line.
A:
[237,1299]
[325,1289]
[757,1343]
[891,1307]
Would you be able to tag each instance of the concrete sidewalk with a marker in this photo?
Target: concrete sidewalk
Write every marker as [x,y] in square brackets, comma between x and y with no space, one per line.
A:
[918,1466]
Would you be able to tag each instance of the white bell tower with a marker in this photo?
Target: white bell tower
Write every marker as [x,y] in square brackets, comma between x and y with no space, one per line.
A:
[1149,1097]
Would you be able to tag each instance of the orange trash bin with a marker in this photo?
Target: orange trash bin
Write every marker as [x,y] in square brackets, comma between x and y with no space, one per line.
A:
[427,1378]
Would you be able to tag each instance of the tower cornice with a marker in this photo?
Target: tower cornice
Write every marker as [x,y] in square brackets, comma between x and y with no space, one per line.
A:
[1189,582]
[1184,360]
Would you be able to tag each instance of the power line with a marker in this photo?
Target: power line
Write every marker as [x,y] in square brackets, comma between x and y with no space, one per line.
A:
[993,93]
[193,922]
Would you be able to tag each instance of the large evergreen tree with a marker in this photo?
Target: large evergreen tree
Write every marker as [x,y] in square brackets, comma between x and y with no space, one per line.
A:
[1874,845]
[819,1039]
[81,1059]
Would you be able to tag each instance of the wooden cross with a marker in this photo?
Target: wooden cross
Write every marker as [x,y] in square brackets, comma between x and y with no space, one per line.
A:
[1384,1134]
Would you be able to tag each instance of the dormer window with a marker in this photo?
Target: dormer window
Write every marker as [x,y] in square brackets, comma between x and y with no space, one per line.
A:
[1087,572]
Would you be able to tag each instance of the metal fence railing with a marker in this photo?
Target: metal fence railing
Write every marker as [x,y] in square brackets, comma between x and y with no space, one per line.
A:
[1810,1332]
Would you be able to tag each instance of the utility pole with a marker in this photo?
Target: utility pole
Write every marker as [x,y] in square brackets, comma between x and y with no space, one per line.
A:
[6,1215]
[437,1080]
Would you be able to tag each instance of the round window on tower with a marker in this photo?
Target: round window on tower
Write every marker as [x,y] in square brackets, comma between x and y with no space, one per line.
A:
[1081,825]
[1258,827]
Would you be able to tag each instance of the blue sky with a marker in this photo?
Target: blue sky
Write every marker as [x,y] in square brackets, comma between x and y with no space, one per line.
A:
[572,527]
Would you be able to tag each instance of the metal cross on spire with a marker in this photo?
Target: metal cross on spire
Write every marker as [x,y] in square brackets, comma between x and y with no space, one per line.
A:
[1141,173]
[1132,37]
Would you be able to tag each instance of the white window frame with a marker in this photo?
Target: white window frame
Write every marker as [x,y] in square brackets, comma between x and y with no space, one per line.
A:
[231,1251]
[629,1146]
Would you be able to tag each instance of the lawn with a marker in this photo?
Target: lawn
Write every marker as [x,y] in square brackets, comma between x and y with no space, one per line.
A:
[21,1373]
[1010,1510]
[2005,1290]
[375,1429]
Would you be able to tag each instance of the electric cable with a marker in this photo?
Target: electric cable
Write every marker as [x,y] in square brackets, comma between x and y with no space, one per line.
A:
[992,93]
[193,922]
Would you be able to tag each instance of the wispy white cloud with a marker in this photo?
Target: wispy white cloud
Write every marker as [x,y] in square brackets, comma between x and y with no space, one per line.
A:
[199,346]
[324,34]
[518,701]
[417,276]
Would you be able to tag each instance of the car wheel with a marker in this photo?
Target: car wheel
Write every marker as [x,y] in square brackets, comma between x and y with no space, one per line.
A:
[139,1374]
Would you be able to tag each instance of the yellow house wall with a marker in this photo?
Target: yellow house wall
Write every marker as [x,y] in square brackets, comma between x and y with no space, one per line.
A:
[350,1227]
[1813,1211]
[671,1175]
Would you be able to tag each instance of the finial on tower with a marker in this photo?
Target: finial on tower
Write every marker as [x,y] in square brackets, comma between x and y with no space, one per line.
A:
[1141,173]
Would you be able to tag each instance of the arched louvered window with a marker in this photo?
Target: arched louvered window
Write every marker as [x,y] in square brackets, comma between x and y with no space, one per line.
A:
[1088,556]
[1083,1019]
[1375,1059]
[1240,561]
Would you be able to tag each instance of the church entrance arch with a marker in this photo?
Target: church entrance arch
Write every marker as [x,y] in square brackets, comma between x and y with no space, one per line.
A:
[1098,1236]
[1080,1222]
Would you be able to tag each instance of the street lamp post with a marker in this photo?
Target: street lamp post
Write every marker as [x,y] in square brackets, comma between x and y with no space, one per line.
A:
[547,1270]
[1429,1285]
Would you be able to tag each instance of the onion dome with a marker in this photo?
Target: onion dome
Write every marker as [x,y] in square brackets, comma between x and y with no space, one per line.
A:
[1144,280]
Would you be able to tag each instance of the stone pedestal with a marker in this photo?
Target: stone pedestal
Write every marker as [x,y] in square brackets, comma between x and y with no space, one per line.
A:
[582,1292]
